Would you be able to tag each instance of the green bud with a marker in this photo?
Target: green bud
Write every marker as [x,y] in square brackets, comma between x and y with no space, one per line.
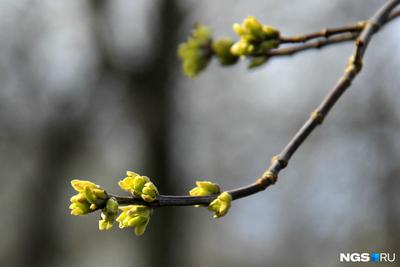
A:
[270,32]
[254,28]
[141,228]
[257,61]
[91,196]
[149,192]
[265,46]
[79,205]
[139,183]
[221,205]
[238,29]
[195,53]
[80,185]
[136,216]
[99,193]
[255,38]
[105,225]
[112,206]
[222,50]
[205,188]
[240,48]
[140,186]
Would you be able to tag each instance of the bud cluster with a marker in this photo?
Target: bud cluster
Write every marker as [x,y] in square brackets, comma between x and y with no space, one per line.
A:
[90,197]
[136,216]
[255,41]
[255,38]
[139,186]
[196,53]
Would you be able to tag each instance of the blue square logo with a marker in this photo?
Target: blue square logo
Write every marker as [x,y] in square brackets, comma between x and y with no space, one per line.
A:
[375,257]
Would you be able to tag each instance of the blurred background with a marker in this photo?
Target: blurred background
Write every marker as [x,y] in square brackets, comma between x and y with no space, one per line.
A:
[90,89]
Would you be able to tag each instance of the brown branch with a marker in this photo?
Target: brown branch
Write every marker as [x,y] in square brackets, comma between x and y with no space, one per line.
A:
[326,37]
[327,32]
[288,51]
[279,162]
[393,15]
[324,33]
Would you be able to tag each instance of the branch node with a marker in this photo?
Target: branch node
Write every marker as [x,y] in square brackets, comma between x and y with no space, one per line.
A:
[374,25]
[281,161]
[325,32]
[269,177]
[354,64]
[317,116]
[361,24]
[359,42]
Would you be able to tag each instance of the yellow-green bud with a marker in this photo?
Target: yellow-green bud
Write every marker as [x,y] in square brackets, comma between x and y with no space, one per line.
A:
[220,206]
[255,38]
[139,183]
[195,53]
[112,206]
[205,188]
[79,205]
[108,214]
[238,29]
[149,192]
[240,48]
[222,50]
[136,216]
[105,225]
[95,196]
[90,196]
[253,27]
[80,185]
[128,183]
[270,32]
[265,46]
[140,186]
[257,61]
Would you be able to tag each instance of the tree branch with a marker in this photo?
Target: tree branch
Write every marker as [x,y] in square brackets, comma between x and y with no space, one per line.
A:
[279,162]
[329,36]
[324,33]
[288,51]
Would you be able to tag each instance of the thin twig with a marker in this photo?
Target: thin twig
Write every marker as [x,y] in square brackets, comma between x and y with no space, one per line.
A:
[288,51]
[393,15]
[279,162]
[324,33]
[326,37]
[327,32]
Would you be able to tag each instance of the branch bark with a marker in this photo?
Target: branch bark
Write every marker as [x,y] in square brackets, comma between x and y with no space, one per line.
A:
[324,37]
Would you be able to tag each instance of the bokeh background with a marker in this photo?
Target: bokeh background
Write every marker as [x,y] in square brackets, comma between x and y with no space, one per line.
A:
[90,89]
